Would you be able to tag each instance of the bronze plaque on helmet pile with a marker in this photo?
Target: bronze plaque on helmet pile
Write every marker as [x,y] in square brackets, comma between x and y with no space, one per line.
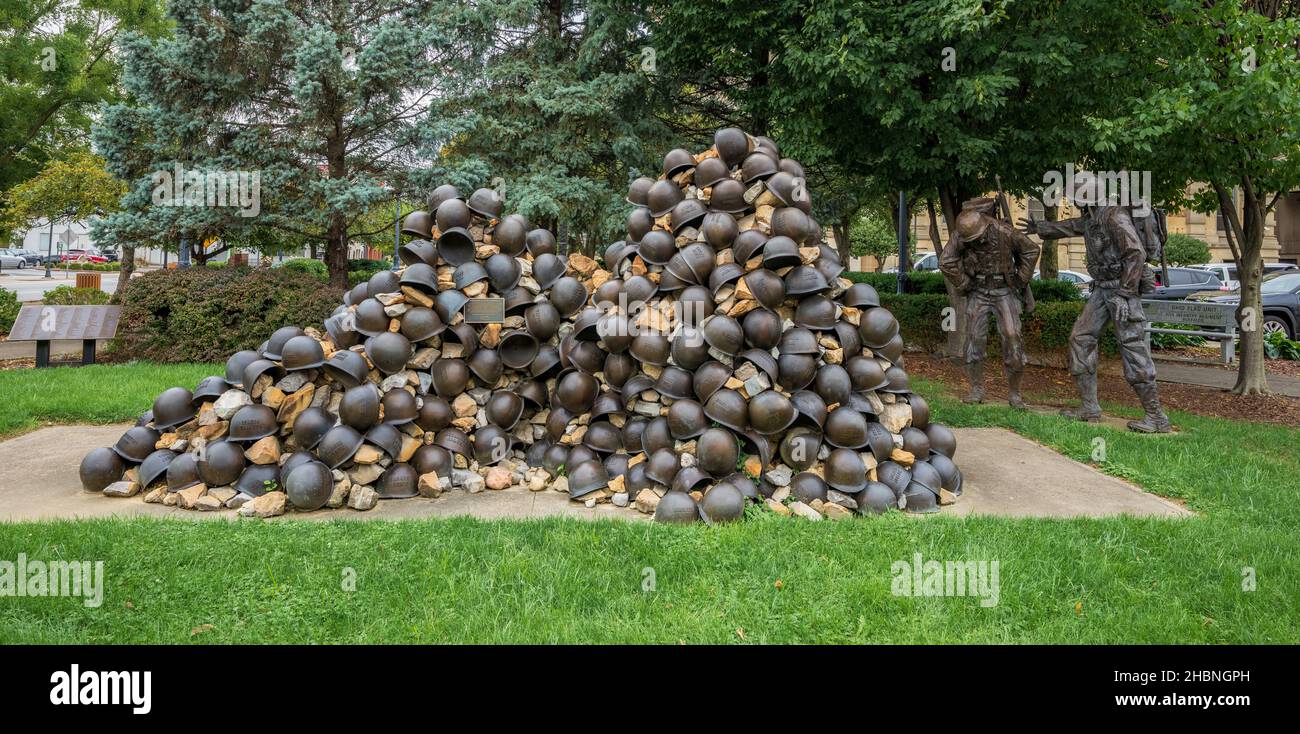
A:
[485,311]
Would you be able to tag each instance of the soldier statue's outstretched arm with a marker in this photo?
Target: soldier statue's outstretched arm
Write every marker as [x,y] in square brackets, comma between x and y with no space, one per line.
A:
[1057,230]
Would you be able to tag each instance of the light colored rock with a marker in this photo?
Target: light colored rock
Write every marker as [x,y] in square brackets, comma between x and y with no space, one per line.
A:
[293,382]
[464,406]
[780,475]
[647,501]
[186,498]
[365,473]
[155,496]
[836,497]
[169,499]
[125,488]
[780,493]
[264,451]
[207,503]
[777,507]
[560,484]
[946,497]
[619,499]
[223,494]
[363,498]
[895,417]
[498,478]
[368,454]
[238,501]
[423,358]
[753,466]
[268,505]
[805,511]
[294,405]
[836,512]
[229,402]
[430,485]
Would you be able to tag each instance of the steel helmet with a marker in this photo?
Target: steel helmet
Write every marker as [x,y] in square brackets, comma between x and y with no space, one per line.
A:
[920,499]
[383,281]
[310,426]
[877,327]
[435,414]
[894,475]
[941,439]
[540,241]
[359,407]
[675,382]
[845,471]
[456,245]
[615,332]
[469,273]
[174,406]
[509,234]
[805,280]
[136,444]
[418,251]
[678,160]
[717,451]
[359,293]
[920,413]
[687,213]
[760,359]
[576,391]
[728,196]
[258,479]
[338,445]
[657,435]
[861,295]
[370,318]
[417,224]
[663,466]
[546,364]
[710,171]
[504,408]
[915,442]
[399,407]
[832,382]
[795,371]
[723,503]
[236,364]
[633,429]
[898,381]
[732,145]
[807,487]
[303,353]
[876,499]
[847,336]
[949,474]
[100,468]
[636,385]
[585,327]
[724,275]
[708,378]
[607,403]
[815,312]
[603,437]
[766,286]
[385,437]
[503,272]
[441,194]
[689,479]
[810,409]
[182,473]
[432,458]
[648,348]
[639,222]
[696,303]
[728,407]
[880,441]
[289,462]
[209,388]
[678,508]
[662,197]
[583,355]
[798,341]
[927,476]
[253,372]
[155,465]
[420,323]
[341,328]
[220,463]
[846,428]
[689,350]
[724,334]
[398,482]
[275,345]
[450,377]
[686,419]
[657,247]
[547,269]
[452,214]
[637,190]
[486,366]
[790,222]
[568,296]
[454,440]
[347,368]
[892,352]
[252,422]
[309,486]
[762,329]
[421,277]
[770,412]
[781,252]
[799,447]
[757,166]
[586,477]
[389,352]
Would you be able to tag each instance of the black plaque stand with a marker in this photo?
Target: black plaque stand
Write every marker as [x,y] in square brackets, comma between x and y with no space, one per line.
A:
[43,353]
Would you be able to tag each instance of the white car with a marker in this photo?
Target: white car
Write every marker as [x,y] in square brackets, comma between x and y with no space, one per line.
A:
[12,260]
[1227,272]
[1082,281]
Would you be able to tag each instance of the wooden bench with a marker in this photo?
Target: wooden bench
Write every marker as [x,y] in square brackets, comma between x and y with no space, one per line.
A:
[1217,322]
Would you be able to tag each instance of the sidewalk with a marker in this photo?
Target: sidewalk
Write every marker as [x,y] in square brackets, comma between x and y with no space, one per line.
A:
[1191,374]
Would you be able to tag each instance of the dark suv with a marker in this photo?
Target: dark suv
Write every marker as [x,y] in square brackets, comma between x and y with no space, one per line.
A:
[1183,282]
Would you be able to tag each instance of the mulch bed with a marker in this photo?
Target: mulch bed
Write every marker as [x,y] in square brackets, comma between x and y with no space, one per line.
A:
[1052,386]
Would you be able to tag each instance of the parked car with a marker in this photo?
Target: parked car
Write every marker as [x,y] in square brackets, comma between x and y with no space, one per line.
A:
[1227,272]
[1082,281]
[923,262]
[12,260]
[1279,294]
[32,257]
[79,255]
[1183,282]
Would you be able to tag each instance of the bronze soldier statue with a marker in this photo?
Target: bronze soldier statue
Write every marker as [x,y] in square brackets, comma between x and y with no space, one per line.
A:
[1117,263]
[990,263]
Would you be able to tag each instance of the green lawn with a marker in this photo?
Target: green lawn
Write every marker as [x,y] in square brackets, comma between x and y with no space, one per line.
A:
[1119,580]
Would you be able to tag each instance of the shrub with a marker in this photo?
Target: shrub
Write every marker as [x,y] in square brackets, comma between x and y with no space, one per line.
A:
[207,314]
[932,283]
[1277,346]
[1182,249]
[307,265]
[66,295]
[9,307]
[370,267]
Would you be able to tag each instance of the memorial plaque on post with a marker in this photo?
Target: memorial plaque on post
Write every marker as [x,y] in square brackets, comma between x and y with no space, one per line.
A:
[485,311]
[43,324]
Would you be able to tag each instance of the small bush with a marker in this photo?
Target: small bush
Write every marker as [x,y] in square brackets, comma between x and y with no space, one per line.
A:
[370,267]
[932,283]
[66,295]
[9,307]
[207,314]
[1277,346]
[1182,249]
[307,265]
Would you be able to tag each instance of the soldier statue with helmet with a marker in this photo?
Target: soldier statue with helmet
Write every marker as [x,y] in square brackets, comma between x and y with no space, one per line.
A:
[1117,253]
[990,263]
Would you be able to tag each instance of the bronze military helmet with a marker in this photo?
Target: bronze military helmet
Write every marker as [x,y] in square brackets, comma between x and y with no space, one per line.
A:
[723,503]
[686,419]
[724,334]
[399,407]
[894,475]
[309,427]
[920,412]
[576,391]
[441,194]
[770,412]
[724,275]
[155,464]
[758,165]
[657,247]
[696,303]
[861,295]
[807,487]
[815,312]
[941,438]
[509,234]
[676,161]
[781,252]
[175,405]
[880,440]
[762,328]
[728,407]
[302,353]
[568,296]
[949,474]
[662,197]
[492,444]
[421,323]
[452,214]
[732,145]
[799,447]
[915,442]
[136,444]
[710,171]
[674,382]
[898,381]
[417,224]
[518,348]
[603,437]
[182,473]
[503,272]
[708,378]
[450,377]
[456,246]
[360,406]
[717,451]
[504,408]
[338,445]
[810,409]
[370,318]
[876,498]
[877,327]
[547,269]
[657,435]
[430,458]
[348,368]
[689,350]
[650,348]
[760,359]
[729,197]
[687,213]
[766,286]
[678,508]
[805,280]
[795,371]
[846,428]
[309,486]
[798,341]
[389,352]
[637,190]
[639,222]
[833,383]
[398,482]
[533,394]
[236,364]
[586,477]
[100,468]
[486,203]
[252,422]
[539,242]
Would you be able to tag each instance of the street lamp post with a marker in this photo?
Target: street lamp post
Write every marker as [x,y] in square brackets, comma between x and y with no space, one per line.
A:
[397,229]
[902,241]
[49,250]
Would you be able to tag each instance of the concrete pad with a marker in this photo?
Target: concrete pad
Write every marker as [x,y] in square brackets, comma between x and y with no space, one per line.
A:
[1008,475]
[38,481]
[1004,474]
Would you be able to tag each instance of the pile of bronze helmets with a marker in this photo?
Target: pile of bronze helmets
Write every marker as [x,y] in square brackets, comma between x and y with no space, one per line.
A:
[713,360]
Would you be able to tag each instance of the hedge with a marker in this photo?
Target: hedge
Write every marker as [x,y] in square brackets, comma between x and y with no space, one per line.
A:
[207,314]
[932,283]
[9,308]
[66,295]
[307,265]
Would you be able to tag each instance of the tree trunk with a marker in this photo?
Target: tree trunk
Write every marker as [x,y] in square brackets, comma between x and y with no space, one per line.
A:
[126,268]
[1048,266]
[949,206]
[952,345]
[336,251]
[1248,252]
[842,242]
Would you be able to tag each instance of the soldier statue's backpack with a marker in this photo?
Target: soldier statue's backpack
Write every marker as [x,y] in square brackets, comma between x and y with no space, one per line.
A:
[1153,229]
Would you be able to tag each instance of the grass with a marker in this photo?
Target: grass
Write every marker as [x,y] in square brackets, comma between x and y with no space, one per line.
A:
[1117,580]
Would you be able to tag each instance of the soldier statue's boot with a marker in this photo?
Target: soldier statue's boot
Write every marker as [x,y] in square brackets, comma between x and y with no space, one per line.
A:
[1090,410]
[1013,389]
[975,375]
[1155,420]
